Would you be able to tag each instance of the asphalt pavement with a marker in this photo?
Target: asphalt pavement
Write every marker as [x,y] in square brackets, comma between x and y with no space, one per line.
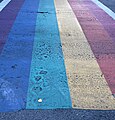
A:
[67,114]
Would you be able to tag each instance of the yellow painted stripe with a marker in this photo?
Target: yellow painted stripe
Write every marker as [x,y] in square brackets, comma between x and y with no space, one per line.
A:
[88,87]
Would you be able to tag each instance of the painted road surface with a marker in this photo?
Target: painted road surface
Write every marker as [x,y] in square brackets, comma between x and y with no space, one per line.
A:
[109,3]
[56,54]
[48,80]
[3,4]
[105,8]
[16,58]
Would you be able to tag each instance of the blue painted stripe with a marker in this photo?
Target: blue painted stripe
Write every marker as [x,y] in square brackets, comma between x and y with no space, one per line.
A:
[15,59]
[48,81]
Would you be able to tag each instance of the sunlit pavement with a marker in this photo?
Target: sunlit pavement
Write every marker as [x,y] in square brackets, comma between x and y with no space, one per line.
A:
[57,55]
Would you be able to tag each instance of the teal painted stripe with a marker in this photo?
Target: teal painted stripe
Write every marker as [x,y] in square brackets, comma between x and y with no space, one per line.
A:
[48,79]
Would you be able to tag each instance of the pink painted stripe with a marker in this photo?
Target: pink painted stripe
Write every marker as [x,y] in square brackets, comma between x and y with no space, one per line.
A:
[101,43]
[107,22]
[7,18]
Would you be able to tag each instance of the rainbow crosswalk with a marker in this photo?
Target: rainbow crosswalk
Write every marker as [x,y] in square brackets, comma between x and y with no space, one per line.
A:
[56,54]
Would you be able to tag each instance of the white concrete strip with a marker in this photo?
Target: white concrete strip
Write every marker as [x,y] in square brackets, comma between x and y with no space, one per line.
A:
[106,9]
[3,4]
[88,88]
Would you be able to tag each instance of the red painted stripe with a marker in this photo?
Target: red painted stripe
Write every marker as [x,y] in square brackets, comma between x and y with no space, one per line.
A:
[7,18]
[101,43]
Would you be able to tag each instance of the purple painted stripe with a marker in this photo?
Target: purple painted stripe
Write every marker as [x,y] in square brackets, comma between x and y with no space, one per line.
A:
[7,18]
[107,22]
[101,43]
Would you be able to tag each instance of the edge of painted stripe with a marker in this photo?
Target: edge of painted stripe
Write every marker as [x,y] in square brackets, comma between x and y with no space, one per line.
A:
[3,4]
[105,8]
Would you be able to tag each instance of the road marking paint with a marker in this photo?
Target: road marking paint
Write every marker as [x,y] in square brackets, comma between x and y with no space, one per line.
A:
[48,78]
[105,8]
[104,37]
[107,22]
[101,43]
[3,4]
[7,18]
[88,88]
[15,58]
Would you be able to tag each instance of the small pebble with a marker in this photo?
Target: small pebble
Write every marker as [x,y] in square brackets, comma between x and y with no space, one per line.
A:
[39,100]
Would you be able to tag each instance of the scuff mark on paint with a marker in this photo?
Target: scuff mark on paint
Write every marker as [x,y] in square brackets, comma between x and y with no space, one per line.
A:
[8,95]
